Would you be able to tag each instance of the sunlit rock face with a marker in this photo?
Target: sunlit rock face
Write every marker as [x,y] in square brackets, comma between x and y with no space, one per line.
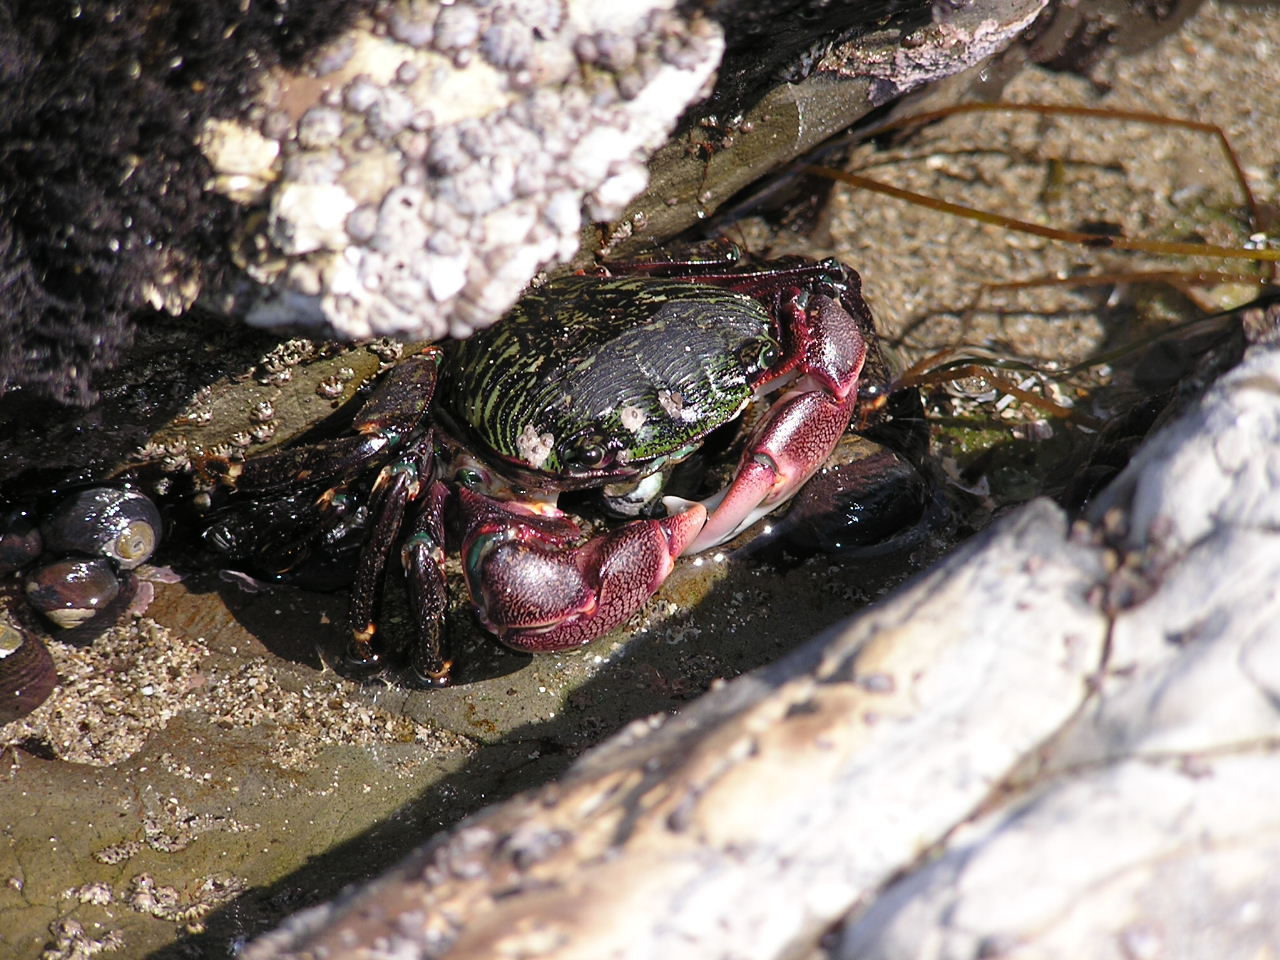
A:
[424,164]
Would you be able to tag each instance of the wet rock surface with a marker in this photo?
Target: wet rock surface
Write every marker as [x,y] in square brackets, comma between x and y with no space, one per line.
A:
[209,739]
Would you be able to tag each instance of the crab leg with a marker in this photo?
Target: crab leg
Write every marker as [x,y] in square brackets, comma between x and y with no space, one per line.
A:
[802,428]
[398,484]
[394,409]
[539,594]
[423,559]
[395,486]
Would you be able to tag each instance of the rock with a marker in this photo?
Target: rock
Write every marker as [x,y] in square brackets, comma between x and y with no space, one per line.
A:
[266,157]
[519,130]
[1148,826]
[438,133]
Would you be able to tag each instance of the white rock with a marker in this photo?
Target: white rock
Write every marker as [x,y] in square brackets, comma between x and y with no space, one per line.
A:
[307,217]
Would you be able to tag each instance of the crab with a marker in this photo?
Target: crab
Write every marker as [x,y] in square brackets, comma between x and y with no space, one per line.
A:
[601,382]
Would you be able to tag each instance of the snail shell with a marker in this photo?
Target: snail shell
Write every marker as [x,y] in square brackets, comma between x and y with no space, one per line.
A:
[122,525]
[70,592]
[27,673]
[20,540]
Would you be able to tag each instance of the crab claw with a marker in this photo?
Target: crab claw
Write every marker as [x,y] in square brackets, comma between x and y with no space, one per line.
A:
[539,595]
[803,426]
[794,441]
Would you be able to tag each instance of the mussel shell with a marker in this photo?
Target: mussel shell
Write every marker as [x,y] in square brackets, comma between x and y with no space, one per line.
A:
[27,673]
[71,592]
[122,525]
[20,540]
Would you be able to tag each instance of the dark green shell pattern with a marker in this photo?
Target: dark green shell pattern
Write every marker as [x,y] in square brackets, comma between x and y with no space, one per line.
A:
[640,367]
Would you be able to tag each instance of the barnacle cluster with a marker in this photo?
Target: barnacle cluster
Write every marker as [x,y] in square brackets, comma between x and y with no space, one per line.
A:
[427,162]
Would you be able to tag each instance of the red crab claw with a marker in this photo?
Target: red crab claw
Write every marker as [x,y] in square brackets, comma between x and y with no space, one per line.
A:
[800,433]
[801,429]
[539,595]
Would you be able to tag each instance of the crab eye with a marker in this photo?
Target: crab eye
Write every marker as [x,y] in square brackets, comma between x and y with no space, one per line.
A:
[587,455]
[470,477]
